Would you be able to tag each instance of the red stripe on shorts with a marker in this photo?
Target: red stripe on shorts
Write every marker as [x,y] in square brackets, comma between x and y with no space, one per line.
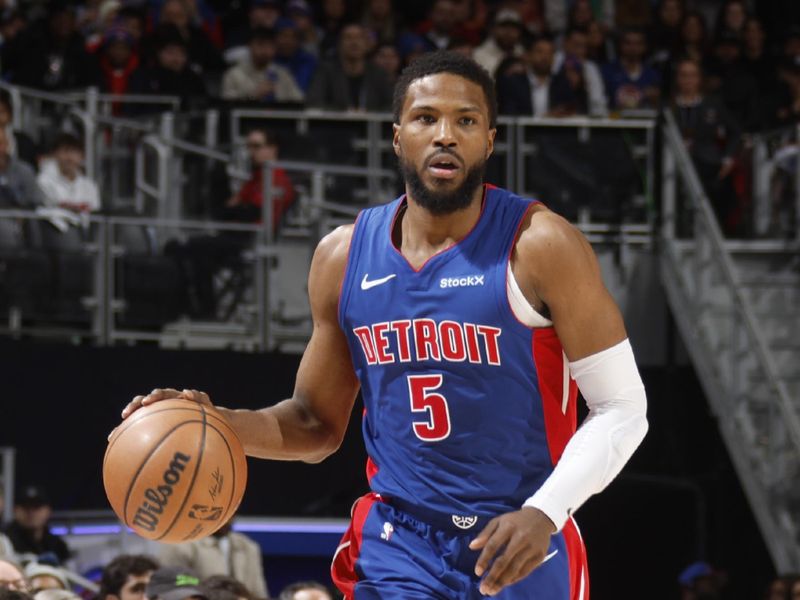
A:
[578,565]
[343,567]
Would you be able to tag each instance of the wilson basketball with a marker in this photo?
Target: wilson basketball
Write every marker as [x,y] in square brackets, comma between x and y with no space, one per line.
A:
[174,471]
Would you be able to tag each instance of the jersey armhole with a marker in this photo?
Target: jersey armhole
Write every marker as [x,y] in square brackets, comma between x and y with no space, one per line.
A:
[346,287]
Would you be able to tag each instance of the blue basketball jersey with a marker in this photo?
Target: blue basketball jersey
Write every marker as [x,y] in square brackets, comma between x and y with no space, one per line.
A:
[467,410]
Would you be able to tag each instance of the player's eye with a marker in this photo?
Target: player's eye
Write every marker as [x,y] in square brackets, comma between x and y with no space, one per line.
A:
[427,119]
[467,121]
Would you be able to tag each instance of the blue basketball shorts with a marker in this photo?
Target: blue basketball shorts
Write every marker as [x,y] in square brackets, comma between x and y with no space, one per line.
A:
[389,552]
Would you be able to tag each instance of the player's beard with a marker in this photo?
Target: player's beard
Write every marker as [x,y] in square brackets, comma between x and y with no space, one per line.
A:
[442,202]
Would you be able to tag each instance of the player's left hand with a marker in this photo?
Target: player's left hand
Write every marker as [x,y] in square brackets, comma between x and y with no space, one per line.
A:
[514,544]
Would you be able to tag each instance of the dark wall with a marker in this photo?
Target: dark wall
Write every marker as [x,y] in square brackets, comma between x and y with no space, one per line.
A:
[677,501]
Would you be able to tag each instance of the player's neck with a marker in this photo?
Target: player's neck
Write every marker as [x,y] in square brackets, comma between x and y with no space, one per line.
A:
[423,234]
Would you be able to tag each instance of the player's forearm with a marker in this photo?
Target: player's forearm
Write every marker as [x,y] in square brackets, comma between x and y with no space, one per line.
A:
[282,432]
[616,425]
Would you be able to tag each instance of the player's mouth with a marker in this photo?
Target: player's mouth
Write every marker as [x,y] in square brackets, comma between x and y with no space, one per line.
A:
[444,166]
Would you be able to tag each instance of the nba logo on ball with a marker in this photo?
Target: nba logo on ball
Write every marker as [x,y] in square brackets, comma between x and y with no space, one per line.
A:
[174,471]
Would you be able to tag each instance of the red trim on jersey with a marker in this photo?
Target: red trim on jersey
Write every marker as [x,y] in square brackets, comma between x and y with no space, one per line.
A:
[550,362]
[576,558]
[343,567]
[442,251]
[372,469]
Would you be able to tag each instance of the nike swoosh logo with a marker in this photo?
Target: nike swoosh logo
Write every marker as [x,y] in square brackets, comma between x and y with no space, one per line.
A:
[549,556]
[365,284]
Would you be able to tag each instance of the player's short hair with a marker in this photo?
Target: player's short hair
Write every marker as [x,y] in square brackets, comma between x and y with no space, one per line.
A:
[116,572]
[221,587]
[444,61]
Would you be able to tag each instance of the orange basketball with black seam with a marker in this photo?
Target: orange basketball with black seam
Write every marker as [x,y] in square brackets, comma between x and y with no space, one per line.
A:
[175,471]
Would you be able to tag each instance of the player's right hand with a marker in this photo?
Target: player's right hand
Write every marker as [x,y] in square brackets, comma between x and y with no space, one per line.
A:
[159,394]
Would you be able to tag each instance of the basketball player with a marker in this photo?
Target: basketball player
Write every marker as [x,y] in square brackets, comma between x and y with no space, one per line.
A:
[466,315]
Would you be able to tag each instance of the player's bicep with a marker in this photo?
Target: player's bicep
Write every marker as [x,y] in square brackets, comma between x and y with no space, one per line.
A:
[326,384]
[584,314]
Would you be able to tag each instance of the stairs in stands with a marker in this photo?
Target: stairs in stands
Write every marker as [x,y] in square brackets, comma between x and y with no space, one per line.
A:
[737,306]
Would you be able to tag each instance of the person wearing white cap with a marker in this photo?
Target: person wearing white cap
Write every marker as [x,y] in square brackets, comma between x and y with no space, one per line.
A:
[503,41]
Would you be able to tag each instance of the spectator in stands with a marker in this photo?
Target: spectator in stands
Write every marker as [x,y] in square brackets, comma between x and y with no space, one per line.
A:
[18,187]
[711,136]
[665,33]
[381,21]
[462,46]
[505,39]
[305,590]
[580,15]
[171,75]
[118,61]
[50,55]
[780,588]
[12,23]
[536,91]
[700,581]
[787,110]
[20,145]
[223,587]
[126,577]
[582,74]
[203,55]
[694,37]
[290,55]
[29,532]
[12,577]
[630,82]
[387,57]
[440,29]
[63,183]
[106,16]
[754,55]
[132,20]
[169,583]
[728,78]
[261,14]
[258,77]
[350,82]
[44,577]
[599,47]
[245,205]
[333,16]
[731,18]
[226,552]
[302,14]
[6,547]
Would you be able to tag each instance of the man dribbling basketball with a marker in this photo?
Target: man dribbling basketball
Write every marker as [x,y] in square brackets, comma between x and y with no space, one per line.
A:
[450,307]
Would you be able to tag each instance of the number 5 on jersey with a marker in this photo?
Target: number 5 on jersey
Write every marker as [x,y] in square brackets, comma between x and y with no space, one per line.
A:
[421,391]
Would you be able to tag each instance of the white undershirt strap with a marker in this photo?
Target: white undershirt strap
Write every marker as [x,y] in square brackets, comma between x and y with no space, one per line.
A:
[520,306]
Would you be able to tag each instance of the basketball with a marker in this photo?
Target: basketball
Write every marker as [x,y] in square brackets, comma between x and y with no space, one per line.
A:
[174,471]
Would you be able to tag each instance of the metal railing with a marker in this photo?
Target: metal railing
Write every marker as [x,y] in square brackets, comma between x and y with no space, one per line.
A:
[759,423]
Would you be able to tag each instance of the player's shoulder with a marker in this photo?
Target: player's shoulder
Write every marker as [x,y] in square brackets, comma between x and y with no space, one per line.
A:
[545,234]
[335,246]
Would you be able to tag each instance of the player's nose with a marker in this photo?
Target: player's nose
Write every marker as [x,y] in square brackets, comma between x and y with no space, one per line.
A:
[444,134]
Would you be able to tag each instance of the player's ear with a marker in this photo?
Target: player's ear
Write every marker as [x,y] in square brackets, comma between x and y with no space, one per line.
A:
[490,142]
[396,138]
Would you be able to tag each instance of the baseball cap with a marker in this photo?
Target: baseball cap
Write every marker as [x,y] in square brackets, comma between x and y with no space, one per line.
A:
[31,496]
[507,16]
[117,34]
[37,569]
[695,571]
[172,583]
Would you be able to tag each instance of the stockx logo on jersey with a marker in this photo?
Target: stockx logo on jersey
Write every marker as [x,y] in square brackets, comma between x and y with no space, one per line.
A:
[426,339]
[466,281]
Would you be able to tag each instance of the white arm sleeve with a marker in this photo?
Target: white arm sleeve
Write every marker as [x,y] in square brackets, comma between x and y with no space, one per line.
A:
[614,428]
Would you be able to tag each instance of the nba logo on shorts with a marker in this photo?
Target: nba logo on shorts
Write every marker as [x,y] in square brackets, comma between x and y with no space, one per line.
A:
[388,530]
[464,522]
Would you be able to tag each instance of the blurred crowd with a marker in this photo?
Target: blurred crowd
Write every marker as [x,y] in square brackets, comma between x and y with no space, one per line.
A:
[549,57]
[35,564]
